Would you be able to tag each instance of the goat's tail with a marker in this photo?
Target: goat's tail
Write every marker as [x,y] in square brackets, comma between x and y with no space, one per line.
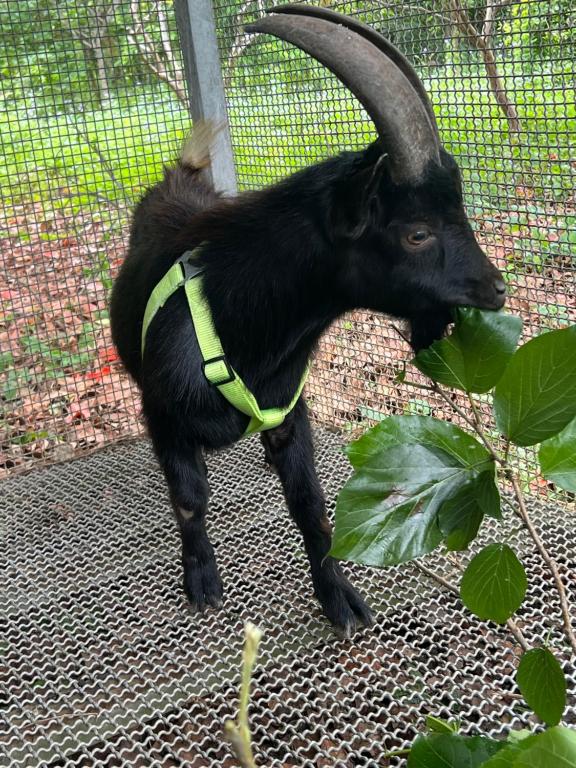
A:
[196,150]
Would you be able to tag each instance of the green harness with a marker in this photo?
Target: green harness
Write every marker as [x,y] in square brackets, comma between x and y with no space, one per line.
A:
[184,273]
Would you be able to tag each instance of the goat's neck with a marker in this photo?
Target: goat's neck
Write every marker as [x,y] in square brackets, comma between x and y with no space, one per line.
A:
[274,279]
[269,328]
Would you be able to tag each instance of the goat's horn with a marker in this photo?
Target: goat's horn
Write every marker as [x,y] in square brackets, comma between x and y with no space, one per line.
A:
[375,38]
[380,85]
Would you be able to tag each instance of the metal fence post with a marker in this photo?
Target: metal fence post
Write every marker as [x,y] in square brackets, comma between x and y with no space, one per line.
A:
[197,29]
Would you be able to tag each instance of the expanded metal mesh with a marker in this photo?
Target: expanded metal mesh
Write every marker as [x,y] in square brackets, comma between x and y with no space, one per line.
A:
[93,103]
[101,664]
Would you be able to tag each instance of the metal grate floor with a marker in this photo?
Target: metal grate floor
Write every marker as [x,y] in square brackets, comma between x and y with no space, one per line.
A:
[101,663]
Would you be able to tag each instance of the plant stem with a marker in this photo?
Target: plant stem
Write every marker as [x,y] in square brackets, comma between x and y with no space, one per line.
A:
[238,733]
[479,429]
[475,412]
[417,384]
[463,415]
[512,626]
[440,579]
[550,562]
[397,753]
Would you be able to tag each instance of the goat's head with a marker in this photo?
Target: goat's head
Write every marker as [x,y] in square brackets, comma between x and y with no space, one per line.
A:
[398,215]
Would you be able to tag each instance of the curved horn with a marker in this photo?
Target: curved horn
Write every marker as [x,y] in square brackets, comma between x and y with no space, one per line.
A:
[379,84]
[376,38]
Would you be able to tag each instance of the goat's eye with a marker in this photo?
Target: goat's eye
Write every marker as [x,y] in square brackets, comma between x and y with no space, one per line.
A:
[417,237]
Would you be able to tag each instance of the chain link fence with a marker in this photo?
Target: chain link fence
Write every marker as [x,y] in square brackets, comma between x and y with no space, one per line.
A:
[94,103]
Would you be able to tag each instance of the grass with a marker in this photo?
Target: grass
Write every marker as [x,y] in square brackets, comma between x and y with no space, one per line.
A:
[83,159]
[95,164]
[112,154]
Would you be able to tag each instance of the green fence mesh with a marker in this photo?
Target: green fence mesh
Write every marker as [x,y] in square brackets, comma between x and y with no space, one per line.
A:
[94,102]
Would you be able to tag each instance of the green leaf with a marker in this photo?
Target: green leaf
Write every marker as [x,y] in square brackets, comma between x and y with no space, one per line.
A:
[6,361]
[494,583]
[407,468]
[414,430]
[460,517]
[475,355]
[452,751]
[543,685]
[521,735]
[536,397]
[555,748]
[506,757]
[438,725]
[558,458]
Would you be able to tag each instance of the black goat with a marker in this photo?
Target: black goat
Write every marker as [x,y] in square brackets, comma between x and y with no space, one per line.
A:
[382,229]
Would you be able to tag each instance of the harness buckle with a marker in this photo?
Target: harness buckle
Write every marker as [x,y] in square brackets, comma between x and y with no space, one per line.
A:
[223,367]
[189,268]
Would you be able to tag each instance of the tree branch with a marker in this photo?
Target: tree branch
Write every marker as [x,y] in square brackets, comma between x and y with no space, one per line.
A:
[482,43]
[512,626]
[164,69]
[550,562]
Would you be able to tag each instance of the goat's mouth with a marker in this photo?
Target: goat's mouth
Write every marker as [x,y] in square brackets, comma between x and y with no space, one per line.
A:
[428,327]
[486,294]
[494,302]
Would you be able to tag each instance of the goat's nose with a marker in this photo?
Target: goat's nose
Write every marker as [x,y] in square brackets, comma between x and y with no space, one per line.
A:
[500,286]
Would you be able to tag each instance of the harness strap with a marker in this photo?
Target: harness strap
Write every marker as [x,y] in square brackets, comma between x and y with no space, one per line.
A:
[215,365]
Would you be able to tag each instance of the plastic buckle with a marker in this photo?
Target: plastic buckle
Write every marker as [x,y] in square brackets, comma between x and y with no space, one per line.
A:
[215,360]
[189,268]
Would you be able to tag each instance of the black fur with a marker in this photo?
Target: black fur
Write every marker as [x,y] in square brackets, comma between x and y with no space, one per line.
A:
[282,264]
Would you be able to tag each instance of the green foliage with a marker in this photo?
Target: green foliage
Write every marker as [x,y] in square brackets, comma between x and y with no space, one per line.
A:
[62,152]
[494,583]
[419,481]
[536,396]
[542,26]
[461,515]
[48,52]
[555,748]
[437,725]
[474,357]
[542,683]
[557,457]
[397,506]
[452,751]
[506,757]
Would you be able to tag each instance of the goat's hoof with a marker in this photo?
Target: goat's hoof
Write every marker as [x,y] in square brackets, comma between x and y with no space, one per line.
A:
[345,608]
[202,585]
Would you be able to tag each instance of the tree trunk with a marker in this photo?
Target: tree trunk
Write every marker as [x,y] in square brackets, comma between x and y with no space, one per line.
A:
[482,41]
[497,87]
[101,73]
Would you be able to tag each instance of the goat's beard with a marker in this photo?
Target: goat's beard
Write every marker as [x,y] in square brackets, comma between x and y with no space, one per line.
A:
[428,328]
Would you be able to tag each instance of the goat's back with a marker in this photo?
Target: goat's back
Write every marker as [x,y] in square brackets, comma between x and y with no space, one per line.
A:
[159,234]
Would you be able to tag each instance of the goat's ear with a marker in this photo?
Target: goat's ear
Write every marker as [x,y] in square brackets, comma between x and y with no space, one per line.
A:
[358,204]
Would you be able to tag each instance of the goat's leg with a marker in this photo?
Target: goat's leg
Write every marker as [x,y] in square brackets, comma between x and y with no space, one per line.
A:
[290,448]
[186,477]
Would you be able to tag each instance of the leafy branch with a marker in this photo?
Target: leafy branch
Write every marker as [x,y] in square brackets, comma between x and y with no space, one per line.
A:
[419,482]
